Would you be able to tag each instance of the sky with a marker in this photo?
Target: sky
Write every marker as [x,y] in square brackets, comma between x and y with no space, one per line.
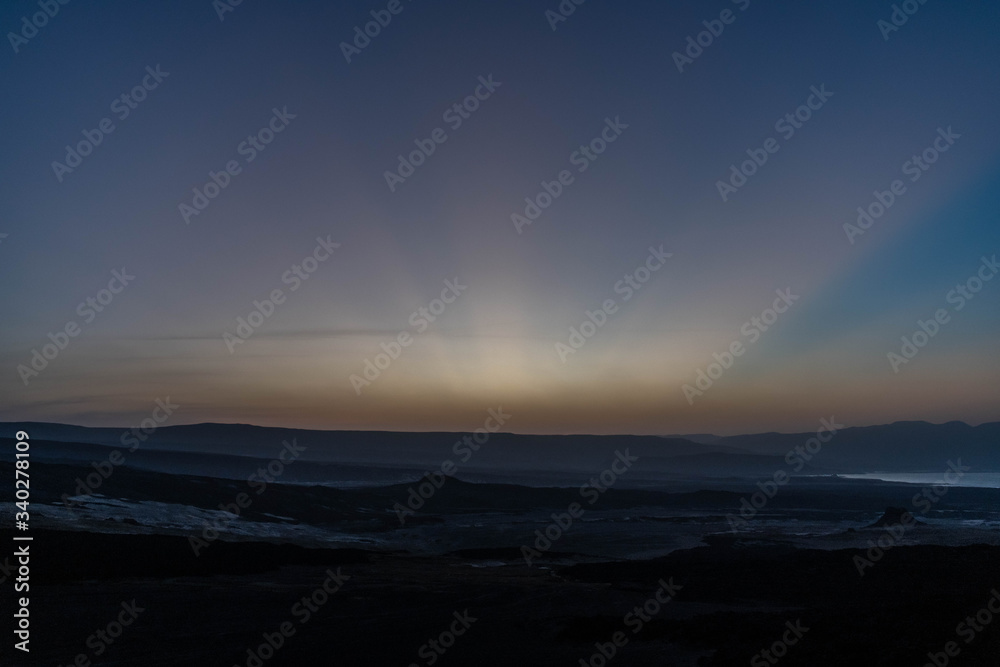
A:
[643,126]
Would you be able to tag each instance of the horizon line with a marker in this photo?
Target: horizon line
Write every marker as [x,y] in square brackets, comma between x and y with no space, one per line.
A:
[602,435]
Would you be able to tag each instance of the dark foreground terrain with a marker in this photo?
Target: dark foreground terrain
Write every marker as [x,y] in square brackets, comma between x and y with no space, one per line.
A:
[732,600]
[151,563]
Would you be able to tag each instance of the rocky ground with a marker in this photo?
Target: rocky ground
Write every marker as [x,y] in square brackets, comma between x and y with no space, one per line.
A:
[727,602]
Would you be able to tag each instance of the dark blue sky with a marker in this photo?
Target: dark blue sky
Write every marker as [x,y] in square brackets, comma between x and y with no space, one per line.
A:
[324,176]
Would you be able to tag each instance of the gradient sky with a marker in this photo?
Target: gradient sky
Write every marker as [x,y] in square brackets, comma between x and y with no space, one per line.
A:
[495,345]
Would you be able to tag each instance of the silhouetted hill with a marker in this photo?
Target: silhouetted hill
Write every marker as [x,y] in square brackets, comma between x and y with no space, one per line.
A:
[909,446]
[898,447]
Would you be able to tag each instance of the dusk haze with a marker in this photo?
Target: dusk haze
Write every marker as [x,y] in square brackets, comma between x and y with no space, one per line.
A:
[522,333]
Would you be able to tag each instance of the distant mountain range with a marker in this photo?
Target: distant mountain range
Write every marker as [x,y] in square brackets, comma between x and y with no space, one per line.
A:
[897,447]
[911,446]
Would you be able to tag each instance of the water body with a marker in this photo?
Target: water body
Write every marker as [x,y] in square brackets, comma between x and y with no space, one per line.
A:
[980,480]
